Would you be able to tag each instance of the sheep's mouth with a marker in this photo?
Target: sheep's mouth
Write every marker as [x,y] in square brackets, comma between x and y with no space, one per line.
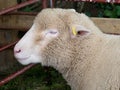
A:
[21,59]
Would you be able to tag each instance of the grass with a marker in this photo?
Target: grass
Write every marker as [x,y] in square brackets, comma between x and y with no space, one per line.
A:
[38,78]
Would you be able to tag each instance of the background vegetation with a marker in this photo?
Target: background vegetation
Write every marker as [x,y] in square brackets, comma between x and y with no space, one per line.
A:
[91,9]
[47,78]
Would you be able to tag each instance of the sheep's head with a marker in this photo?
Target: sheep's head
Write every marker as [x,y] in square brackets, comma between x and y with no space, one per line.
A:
[49,32]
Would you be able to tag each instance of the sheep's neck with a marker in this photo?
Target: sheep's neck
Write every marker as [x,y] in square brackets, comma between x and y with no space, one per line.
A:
[67,57]
[85,53]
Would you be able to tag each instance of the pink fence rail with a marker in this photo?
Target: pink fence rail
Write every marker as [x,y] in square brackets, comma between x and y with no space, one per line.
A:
[44,5]
[10,77]
[7,79]
[17,6]
[100,1]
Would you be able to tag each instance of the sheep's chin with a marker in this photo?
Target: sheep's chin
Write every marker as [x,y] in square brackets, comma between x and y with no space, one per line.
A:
[29,60]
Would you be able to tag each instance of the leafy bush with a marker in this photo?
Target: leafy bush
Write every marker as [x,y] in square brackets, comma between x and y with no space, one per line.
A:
[38,78]
[109,10]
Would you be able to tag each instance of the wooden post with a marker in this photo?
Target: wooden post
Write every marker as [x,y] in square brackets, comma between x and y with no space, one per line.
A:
[44,3]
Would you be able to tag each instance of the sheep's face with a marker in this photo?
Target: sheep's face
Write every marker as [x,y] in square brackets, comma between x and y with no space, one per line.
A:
[29,48]
[48,30]
[45,29]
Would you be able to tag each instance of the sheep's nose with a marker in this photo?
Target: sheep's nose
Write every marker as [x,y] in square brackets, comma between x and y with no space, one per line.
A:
[16,51]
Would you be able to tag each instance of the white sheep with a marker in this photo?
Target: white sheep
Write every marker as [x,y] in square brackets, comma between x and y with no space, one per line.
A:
[71,43]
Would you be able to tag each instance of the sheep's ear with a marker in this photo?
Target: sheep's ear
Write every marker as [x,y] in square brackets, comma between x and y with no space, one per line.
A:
[79,30]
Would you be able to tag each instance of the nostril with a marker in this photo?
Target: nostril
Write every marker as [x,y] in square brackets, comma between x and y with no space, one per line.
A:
[17,51]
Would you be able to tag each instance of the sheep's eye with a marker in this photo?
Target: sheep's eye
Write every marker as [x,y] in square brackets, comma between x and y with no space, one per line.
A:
[52,32]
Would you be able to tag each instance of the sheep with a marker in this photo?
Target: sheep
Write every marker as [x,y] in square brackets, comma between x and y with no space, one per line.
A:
[70,42]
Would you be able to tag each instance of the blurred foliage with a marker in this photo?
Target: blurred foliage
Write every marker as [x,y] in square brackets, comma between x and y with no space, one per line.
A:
[113,11]
[91,9]
[101,9]
[38,78]
[33,7]
[109,10]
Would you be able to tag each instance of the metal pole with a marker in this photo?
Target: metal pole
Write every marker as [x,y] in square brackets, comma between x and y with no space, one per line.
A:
[14,28]
[7,46]
[23,13]
[18,6]
[12,76]
[52,3]
[44,3]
